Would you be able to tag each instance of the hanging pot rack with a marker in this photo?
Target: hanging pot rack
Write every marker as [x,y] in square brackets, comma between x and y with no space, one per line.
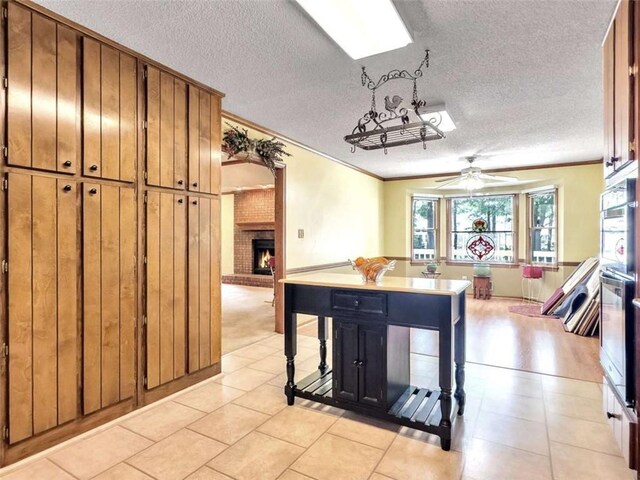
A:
[372,131]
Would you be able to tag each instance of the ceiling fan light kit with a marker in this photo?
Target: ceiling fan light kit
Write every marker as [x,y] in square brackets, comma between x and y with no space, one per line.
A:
[394,128]
[471,178]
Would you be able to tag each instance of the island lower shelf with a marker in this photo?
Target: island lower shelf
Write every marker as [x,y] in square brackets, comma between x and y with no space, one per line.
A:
[417,407]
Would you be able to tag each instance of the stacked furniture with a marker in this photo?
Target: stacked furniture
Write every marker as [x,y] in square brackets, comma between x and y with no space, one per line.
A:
[111,247]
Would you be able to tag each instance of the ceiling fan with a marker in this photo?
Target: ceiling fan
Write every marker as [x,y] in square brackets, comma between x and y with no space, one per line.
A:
[472,178]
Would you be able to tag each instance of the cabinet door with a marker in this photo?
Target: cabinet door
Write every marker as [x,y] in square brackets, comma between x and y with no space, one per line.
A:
[43,291]
[609,102]
[109,112]
[109,249]
[43,94]
[371,372]
[204,283]
[166,287]
[166,130]
[345,351]
[622,85]
[204,141]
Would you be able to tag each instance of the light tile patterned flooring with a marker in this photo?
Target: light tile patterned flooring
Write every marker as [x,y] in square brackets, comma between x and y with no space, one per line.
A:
[517,425]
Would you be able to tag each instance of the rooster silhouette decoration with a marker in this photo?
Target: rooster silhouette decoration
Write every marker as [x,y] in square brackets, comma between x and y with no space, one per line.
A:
[392,104]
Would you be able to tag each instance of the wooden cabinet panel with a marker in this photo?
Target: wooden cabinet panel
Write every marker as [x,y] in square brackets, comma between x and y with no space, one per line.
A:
[345,360]
[204,141]
[371,354]
[109,112]
[43,348]
[109,304]
[622,85]
[609,100]
[204,275]
[166,287]
[166,130]
[43,93]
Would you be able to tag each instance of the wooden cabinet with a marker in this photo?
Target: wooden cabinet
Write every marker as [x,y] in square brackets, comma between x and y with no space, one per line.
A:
[109,112]
[43,294]
[623,423]
[43,92]
[166,258]
[77,226]
[166,130]
[618,79]
[204,141]
[109,294]
[204,306]
[359,362]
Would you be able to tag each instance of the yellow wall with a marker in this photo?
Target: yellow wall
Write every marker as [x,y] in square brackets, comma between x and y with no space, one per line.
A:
[579,188]
[226,237]
[339,209]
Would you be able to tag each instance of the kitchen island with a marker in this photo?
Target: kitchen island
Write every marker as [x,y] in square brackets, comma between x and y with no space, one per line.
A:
[370,360]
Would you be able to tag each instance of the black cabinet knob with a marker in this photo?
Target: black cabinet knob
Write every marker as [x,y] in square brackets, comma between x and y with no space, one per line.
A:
[356,303]
[612,415]
[355,363]
[67,163]
[195,202]
[180,200]
[67,188]
[195,184]
[93,168]
[180,182]
[93,191]
[612,161]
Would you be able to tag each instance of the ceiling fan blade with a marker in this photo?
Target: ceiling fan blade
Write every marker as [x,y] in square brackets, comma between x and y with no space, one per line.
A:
[499,178]
[450,181]
[447,179]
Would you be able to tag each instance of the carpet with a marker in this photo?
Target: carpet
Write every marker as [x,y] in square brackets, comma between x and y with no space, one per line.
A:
[529,311]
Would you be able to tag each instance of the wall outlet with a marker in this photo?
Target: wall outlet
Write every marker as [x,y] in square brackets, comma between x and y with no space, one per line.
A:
[464,277]
[300,233]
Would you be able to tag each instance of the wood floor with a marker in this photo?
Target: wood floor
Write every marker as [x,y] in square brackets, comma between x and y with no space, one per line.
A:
[500,338]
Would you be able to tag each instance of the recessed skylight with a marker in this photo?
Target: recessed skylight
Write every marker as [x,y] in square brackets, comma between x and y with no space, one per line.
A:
[438,116]
[361,27]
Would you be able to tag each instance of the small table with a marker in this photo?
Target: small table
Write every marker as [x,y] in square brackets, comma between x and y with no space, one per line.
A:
[482,287]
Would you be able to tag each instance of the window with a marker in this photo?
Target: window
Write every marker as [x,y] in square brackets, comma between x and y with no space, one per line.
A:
[543,223]
[424,229]
[499,213]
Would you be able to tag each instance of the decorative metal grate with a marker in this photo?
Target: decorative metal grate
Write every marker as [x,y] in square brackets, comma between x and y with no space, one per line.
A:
[372,131]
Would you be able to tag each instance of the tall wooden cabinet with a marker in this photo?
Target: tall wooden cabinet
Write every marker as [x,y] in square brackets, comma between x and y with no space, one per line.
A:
[618,84]
[111,245]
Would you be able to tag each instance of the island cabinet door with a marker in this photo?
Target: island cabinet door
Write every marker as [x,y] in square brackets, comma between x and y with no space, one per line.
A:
[109,99]
[203,283]
[43,92]
[166,130]
[43,294]
[166,251]
[371,370]
[345,351]
[204,141]
[109,294]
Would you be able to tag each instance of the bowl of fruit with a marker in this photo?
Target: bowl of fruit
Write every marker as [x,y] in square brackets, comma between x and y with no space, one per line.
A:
[372,269]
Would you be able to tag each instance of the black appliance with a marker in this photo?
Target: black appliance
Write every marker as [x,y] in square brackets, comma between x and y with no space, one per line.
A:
[617,285]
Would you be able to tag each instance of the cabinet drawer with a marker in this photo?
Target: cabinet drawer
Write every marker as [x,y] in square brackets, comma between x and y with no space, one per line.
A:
[361,303]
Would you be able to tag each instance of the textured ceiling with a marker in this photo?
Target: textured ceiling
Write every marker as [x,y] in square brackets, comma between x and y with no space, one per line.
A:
[521,79]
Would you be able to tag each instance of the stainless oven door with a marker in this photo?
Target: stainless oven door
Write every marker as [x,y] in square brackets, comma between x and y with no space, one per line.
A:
[615,311]
[616,250]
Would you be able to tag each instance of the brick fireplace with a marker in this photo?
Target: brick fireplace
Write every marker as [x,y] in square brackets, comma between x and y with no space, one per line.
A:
[254,223]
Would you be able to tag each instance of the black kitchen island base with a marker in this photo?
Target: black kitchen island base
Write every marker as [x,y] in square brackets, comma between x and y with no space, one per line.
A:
[370,372]
[417,407]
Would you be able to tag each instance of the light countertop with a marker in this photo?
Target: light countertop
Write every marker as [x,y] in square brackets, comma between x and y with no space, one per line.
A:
[388,284]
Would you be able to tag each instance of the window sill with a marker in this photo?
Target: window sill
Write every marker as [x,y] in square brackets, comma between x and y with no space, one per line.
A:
[453,263]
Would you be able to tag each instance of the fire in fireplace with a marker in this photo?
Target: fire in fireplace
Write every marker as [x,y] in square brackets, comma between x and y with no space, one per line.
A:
[263,250]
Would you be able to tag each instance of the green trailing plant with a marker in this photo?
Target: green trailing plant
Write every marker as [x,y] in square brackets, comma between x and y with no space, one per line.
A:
[236,140]
[270,152]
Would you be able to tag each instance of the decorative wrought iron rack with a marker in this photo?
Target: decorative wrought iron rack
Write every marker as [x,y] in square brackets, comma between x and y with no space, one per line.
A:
[372,131]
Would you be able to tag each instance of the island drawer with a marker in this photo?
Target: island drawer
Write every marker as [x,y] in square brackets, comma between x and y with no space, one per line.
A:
[361,303]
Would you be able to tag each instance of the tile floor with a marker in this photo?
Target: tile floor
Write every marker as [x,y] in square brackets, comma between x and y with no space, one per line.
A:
[517,425]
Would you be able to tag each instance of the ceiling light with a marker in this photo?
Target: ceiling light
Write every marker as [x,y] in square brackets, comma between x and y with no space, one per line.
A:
[361,27]
[471,183]
[438,116]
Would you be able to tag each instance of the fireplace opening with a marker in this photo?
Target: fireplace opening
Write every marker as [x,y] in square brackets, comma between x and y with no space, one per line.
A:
[263,250]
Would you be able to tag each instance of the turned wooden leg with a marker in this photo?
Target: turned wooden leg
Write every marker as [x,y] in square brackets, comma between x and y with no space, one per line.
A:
[460,345]
[290,344]
[445,372]
[322,337]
